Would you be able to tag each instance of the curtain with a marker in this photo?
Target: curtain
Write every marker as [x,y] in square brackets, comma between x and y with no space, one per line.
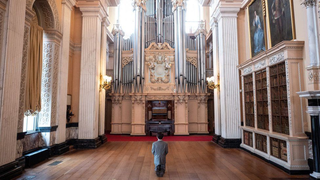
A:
[34,71]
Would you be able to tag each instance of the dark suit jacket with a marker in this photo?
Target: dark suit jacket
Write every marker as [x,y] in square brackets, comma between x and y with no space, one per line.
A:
[159,150]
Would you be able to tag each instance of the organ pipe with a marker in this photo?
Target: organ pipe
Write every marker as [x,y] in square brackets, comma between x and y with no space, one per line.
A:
[201,37]
[139,43]
[180,51]
[117,65]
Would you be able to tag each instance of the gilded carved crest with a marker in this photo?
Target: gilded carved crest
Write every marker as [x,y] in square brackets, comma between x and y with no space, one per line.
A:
[159,68]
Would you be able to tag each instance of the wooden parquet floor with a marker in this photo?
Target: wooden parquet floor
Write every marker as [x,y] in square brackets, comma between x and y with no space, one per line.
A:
[133,160]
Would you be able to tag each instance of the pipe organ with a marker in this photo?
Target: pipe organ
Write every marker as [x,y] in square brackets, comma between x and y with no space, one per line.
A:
[159,62]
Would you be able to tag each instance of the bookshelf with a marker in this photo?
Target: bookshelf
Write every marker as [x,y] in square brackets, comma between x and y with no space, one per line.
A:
[279,101]
[276,131]
[249,101]
[262,99]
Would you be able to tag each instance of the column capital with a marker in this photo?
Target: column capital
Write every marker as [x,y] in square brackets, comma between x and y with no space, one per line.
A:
[178,3]
[117,29]
[69,3]
[226,9]
[201,28]
[140,3]
[92,8]
[308,3]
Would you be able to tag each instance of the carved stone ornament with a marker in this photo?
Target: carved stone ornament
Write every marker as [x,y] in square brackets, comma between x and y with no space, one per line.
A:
[260,65]
[193,61]
[50,12]
[201,28]
[202,99]
[140,3]
[117,29]
[159,68]
[309,3]
[116,99]
[139,99]
[247,70]
[160,98]
[126,60]
[314,76]
[159,89]
[276,58]
[159,46]
[181,99]
[178,3]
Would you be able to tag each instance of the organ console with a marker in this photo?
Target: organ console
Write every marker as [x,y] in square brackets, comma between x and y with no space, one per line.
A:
[159,117]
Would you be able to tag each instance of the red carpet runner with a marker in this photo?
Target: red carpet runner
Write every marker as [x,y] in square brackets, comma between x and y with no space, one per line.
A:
[111,137]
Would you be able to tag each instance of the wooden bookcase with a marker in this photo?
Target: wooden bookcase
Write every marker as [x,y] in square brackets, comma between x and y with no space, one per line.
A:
[279,101]
[261,143]
[276,131]
[249,101]
[248,138]
[262,99]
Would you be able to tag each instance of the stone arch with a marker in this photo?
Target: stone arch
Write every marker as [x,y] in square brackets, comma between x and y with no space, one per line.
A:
[48,17]
[50,12]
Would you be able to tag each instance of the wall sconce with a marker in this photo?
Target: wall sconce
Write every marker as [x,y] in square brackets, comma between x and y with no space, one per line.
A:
[106,82]
[211,84]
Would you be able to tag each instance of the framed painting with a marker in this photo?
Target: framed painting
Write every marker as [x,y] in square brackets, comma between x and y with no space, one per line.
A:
[256,22]
[281,20]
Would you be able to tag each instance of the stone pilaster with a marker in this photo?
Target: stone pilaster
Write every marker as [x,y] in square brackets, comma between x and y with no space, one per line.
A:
[216,96]
[49,84]
[138,114]
[90,70]
[229,75]
[63,69]
[202,114]
[103,69]
[181,122]
[12,55]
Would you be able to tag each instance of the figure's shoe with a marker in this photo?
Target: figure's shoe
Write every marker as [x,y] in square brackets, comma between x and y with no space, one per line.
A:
[158,171]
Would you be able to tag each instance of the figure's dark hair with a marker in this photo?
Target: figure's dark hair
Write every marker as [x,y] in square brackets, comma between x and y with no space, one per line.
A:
[160,135]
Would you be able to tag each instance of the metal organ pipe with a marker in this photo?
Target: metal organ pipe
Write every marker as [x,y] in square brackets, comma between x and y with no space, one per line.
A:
[138,53]
[118,34]
[201,32]
[180,51]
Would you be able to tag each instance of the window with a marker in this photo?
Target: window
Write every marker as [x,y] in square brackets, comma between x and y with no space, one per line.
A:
[192,16]
[126,17]
[30,123]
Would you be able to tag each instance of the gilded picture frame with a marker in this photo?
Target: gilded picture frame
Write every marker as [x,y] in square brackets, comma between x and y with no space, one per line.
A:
[256,14]
[280,18]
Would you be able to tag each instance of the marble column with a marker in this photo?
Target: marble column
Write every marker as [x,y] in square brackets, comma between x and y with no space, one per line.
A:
[313,40]
[312,32]
[103,69]
[90,71]
[12,55]
[216,73]
[67,6]
[229,76]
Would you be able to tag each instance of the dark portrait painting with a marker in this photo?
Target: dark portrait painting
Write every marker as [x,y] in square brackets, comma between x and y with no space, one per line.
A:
[280,20]
[256,24]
